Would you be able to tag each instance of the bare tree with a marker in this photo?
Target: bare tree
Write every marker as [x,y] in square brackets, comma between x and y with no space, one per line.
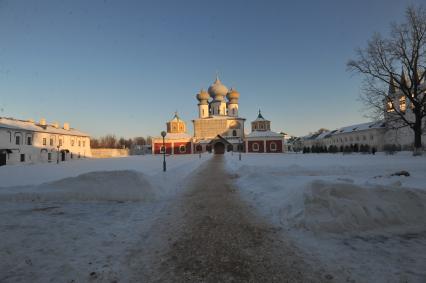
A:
[386,88]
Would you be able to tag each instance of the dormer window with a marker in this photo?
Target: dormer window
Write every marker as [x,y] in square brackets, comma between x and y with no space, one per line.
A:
[402,104]
[389,107]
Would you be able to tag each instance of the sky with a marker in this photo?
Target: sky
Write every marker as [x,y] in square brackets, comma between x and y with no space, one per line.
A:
[125,67]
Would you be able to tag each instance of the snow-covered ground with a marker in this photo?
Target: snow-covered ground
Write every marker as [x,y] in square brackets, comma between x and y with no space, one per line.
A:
[79,221]
[345,212]
[82,220]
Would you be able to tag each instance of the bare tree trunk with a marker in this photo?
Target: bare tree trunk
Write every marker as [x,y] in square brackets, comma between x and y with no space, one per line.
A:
[418,147]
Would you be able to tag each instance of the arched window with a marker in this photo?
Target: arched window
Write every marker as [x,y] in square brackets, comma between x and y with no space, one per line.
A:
[233,111]
[234,133]
[255,146]
[273,146]
[182,149]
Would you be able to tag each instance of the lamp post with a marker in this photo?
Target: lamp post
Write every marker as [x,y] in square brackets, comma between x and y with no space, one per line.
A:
[163,134]
[240,149]
[57,160]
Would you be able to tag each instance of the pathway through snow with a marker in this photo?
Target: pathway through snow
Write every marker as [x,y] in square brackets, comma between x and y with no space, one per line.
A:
[213,236]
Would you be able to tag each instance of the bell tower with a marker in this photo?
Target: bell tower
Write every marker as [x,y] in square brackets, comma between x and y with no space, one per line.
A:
[176,125]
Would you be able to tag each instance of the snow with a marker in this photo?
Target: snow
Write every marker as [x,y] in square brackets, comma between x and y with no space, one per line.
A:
[80,221]
[344,212]
[255,134]
[11,123]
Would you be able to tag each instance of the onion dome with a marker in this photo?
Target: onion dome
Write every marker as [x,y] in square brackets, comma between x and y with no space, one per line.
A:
[217,90]
[233,95]
[203,96]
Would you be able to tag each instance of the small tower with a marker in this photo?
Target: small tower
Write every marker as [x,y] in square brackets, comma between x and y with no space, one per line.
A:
[218,92]
[203,105]
[176,125]
[233,97]
[260,124]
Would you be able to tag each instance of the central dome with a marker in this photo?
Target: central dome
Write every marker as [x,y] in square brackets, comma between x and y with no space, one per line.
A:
[217,89]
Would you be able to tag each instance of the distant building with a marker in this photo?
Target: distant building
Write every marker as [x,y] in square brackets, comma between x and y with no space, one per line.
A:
[177,141]
[373,136]
[25,141]
[262,139]
[349,138]
[218,128]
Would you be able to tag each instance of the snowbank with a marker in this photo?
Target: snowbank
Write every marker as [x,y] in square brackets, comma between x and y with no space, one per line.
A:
[138,178]
[345,213]
[340,195]
[94,186]
[342,207]
[151,165]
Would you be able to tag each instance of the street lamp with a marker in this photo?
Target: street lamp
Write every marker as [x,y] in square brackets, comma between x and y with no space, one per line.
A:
[163,134]
[57,160]
[240,149]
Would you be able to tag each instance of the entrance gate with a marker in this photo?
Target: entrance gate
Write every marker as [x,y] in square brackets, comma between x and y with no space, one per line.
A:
[219,148]
[2,159]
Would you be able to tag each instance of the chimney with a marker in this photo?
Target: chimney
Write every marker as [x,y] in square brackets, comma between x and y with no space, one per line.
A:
[66,126]
[42,122]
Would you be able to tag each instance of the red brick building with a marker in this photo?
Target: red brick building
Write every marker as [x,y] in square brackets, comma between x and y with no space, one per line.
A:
[176,141]
[262,139]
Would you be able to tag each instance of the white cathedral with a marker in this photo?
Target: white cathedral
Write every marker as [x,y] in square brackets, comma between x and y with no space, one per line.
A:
[218,128]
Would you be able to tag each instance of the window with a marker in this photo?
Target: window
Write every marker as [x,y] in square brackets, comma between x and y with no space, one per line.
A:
[44,141]
[18,140]
[79,143]
[60,142]
[255,146]
[233,111]
[273,146]
[84,143]
[364,138]
[29,141]
[402,104]
[371,137]
[389,107]
[49,156]
[234,133]
[22,157]
[182,149]
[51,141]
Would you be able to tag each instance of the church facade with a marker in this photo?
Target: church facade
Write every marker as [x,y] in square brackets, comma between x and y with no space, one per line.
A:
[218,128]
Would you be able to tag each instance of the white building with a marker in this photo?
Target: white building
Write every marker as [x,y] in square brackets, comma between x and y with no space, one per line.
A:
[350,138]
[378,135]
[25,141]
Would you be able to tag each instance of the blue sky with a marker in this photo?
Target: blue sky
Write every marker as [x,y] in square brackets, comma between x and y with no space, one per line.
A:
[124,67]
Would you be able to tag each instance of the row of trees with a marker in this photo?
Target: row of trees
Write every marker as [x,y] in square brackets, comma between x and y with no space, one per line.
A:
[111,141]
[364,148]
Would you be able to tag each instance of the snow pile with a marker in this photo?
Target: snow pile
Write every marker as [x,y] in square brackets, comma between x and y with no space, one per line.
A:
[336,197]
[345,213]
[94,186]
[342,207]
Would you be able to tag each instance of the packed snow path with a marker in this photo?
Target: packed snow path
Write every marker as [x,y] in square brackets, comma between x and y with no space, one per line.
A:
[214,236]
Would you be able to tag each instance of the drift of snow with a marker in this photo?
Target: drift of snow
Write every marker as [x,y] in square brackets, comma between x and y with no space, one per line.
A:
[329,202]
[94,186]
